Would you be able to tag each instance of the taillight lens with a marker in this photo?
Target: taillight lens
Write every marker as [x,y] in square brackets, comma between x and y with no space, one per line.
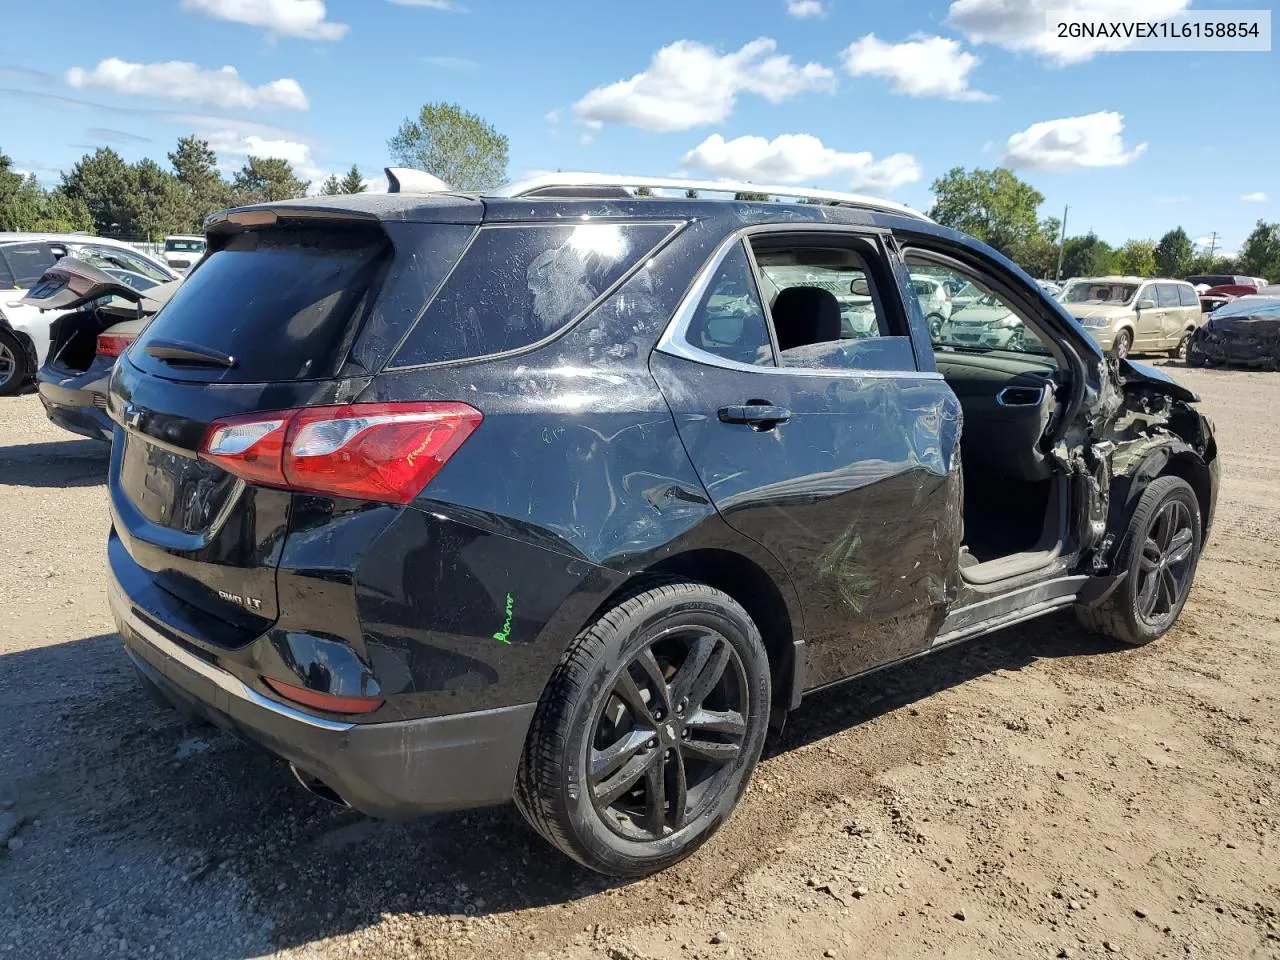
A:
[386,452]
[114,344]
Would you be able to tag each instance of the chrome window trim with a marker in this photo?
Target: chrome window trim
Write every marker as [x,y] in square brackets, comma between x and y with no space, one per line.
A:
[674,342]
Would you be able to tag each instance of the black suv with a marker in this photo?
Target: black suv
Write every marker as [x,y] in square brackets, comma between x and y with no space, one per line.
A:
[564,495]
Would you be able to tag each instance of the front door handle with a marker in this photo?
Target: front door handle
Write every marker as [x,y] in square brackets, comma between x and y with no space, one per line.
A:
[754,414]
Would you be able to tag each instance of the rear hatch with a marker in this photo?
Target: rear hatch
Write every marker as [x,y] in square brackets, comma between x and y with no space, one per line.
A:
[287,310]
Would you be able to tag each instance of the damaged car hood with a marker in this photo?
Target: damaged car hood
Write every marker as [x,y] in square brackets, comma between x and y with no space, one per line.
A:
[1131,372]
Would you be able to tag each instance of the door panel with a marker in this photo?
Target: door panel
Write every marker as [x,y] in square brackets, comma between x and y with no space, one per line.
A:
[1149,326]
[856,491]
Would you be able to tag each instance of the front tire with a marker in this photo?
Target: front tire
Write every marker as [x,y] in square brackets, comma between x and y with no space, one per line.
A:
[1159,553]
[1122,344]
[15,366]
[648,731]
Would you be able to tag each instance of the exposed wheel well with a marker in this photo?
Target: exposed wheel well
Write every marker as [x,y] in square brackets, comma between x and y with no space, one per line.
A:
[745,582]
[1193,470]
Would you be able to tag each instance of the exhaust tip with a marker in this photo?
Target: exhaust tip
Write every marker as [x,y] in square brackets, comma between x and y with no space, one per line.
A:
[318,787]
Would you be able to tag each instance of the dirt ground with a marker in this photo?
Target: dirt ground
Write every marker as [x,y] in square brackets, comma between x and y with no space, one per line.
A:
[1038,793]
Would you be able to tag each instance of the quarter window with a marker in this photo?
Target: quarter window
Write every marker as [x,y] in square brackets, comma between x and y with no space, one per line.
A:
[1187,296]
[517,285]
[730,321]
[28,262]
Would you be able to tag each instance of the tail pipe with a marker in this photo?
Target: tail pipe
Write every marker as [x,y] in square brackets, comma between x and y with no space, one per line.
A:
[318,787]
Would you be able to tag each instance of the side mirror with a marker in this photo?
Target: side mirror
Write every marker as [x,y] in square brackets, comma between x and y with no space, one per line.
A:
[859,287]
[1145,304]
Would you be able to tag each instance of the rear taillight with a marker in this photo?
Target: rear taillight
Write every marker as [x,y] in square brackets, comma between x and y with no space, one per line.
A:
[114,344]
[368,451]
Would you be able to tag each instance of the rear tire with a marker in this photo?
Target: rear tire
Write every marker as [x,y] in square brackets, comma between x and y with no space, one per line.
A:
[1180,351]
[1159,552]
[15,364]
[631,762]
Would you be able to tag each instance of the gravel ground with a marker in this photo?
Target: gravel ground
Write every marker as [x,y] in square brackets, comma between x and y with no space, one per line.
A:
[1038,793]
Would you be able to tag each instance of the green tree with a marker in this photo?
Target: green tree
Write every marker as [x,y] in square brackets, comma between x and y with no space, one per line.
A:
[691,194]
[1038,253]
[1087,256]
[159,205]
[107,186]
[453,144]
[644,192]
[264,179]
[353,182]
[1137,258]
[332,186]
[992,205]
[1174,253]
[1260,255]
[196,166]
[24,205]
[750,195]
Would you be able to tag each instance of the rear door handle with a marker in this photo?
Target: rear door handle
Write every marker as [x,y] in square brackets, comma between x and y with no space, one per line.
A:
[754,414]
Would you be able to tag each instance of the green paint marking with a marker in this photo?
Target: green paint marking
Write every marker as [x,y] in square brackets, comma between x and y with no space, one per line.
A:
[502,635]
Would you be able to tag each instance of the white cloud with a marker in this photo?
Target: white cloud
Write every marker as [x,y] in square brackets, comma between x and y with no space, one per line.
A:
[553,116]
[921,67]
[179,80]
[1254,198]
[236,143]
[689,84]
[799,158]
[291,18]
[1094,140]
[1023,24]
[801,9]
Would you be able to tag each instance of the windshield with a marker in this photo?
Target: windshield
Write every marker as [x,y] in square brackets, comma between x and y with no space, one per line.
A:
[1099,293]
[183,246]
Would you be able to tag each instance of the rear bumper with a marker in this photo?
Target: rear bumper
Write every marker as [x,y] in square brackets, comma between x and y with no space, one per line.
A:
[393,770]
[76,402]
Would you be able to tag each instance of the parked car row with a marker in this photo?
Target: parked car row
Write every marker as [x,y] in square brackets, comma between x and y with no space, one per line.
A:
[26,329]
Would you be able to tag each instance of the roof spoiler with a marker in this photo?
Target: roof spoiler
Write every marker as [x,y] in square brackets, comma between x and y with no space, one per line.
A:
[409,180]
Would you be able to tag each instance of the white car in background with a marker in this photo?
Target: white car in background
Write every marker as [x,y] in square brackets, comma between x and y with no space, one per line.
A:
[24,257]
[935,301]
[182,252]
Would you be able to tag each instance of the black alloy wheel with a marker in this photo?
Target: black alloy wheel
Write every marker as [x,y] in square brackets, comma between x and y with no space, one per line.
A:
[668,733]
[1165,565]
[648,731]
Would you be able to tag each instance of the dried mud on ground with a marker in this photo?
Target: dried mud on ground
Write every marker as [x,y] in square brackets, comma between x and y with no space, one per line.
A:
[1038,793]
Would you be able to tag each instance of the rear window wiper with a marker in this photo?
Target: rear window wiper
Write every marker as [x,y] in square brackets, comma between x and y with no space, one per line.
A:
[179,351]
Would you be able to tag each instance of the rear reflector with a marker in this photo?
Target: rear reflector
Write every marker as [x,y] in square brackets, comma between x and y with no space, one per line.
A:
[386,452]
[114,344]
[324,701]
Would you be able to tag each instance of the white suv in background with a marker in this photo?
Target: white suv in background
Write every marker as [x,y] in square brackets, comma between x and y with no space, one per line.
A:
[24,257]
[935,301]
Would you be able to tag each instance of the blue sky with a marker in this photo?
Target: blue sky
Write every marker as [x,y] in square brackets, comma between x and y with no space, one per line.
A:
[844,94]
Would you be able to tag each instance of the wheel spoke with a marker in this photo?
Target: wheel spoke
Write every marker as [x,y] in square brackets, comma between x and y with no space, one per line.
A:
[605,762]
[657,682]
[1147,594]
[699,653]
[625,779]
[1180,546]
[1150,555]
[706,679]
[655,788]
[711,750]
[1165,525]
[1169,589]
[629,693]
[712,721]
[678,788]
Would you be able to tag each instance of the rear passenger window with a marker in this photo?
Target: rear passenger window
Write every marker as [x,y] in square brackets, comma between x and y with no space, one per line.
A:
[730,320]
[1187,296]
[517,285]
[1167,295]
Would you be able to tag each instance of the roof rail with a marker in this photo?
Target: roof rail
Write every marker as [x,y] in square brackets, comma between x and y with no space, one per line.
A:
[409,180]
[607,184]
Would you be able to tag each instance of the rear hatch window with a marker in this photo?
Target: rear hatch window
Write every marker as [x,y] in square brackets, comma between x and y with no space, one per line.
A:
[518,285]
[276,303]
